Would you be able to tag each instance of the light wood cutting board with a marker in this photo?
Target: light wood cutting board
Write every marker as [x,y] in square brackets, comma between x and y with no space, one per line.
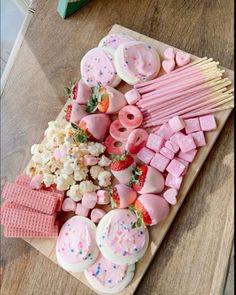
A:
[157,233]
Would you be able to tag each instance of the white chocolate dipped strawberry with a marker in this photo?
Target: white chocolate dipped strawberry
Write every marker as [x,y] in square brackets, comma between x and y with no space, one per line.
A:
[147,180]
[136,140]
[105,99]
[121,167]
[122,196]
[78,91]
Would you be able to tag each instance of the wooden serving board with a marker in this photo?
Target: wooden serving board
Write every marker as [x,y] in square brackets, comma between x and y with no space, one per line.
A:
[157,233]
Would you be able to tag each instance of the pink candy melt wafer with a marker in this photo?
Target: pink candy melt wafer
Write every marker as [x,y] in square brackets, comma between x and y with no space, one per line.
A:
[145,155]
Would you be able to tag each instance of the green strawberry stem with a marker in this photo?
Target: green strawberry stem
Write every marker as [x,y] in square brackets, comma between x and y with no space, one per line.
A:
[80,136]
[93,100]
[139,220]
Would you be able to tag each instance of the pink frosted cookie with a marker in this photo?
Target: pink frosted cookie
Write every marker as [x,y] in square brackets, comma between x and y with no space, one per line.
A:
[118,241]
[114,40]
[97,67]
[108,277]
[136,62]
[130,117]
[76,246]
[118,131]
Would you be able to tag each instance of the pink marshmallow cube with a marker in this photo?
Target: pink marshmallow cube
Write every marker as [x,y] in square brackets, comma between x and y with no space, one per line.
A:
[159,162]
[103,197]
[192,125]
[171,145]
[176,137]
[97,214]
[167,153]
[188,156]
[176,123]
[89,200]
[81,210]
[155,142]
[165,131]
[68,205]
[173,182]
[185,163]
[175,168]
[132,96]
[145,155]
[208,123]
[186,143]
[199,138]
[170,196]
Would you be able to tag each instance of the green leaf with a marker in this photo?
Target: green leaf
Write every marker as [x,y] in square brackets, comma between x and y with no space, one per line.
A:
[80,136]
[74,125]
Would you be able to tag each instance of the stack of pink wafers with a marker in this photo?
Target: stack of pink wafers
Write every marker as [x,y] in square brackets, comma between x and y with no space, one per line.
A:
[27,212]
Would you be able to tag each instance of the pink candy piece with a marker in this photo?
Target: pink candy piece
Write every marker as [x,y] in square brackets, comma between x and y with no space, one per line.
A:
[90,160]
[199,138]
[192,125]
[89,200]
[168,65]
[36,181]
[173,182]
[68,205]
[188,156]
[114,146]
[81,210]
[118,131]
[132,96]
[130,116]
[175,168]
[167,153]
[165,131]
[159,162]
[170,196]
[172,146]
[208,123]
[185,163]
[176,137]
[103,197]
[97,214]
[155,142]
[176,123]
[186,143]
[182,58]
[145,155]
[136,140]
[169,53]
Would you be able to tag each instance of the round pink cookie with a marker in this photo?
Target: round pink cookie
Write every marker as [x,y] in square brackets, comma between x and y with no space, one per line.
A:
[130,117]
[114,146]
[136,62]
[114,40]
[136,140]
[76,247]
[118,131]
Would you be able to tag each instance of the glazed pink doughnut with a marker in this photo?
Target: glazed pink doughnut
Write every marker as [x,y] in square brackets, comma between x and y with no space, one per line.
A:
[114,40]
[118,131]
[130,117]
[114,146]
[137,140]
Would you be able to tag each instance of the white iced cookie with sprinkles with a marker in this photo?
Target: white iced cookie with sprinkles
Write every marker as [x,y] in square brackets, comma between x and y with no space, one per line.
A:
[108,277]
[118,241]
[114,40]
[76,246]
[136,62]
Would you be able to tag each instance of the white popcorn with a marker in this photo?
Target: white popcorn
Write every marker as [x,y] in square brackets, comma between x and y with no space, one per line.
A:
[80,173]
[104,178]
[63,182]
[74,193]
[67,168]
[87,186]
[46,157]
[104,161]
[95,170]
[37,158]
[84,148]
[37,149]
[48,179]
[96,148]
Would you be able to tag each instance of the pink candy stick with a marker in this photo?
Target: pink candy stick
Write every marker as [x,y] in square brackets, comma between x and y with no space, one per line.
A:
[204,112]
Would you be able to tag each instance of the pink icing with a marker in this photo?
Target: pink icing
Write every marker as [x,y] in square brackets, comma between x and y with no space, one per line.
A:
[121,238]
[97,67]
[75,242]
[140,60]
[107,273]
[114,40]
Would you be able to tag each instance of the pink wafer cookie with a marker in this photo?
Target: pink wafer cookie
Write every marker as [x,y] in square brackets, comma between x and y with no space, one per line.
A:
[13,232]
[11,205]
[30,198]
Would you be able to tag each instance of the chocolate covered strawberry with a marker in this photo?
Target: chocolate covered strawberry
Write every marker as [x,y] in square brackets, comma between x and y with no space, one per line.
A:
[78,91]
[122,196]
[75,112]
[105,99]
[121,167]
[146,179]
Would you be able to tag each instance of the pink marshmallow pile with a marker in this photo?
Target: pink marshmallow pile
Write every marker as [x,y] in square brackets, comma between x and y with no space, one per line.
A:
[173,147]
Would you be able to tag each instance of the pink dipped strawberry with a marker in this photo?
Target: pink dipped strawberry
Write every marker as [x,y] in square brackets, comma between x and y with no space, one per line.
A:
[75,112]
[122,196]
[147,180]
[105,99]
[78,91]
[136,140]
[121,167]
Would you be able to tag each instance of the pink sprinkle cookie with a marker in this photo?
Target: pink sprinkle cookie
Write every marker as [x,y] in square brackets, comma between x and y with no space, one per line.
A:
[159,162]
[199,138]
[103,197]
[170,196]
[192,125]
[81,210]
[97,214]
[167,153]
[76,246]
[132,96]
[208,123]
[165,131]
[136,140]
[118,241]
[68,205]
[182,58]
[188,156]
[130,117]
[168,65]
[176,123]
[89,200]
[90,160]
[186,143]
[97,67]
[145,155]
[136,62]
[114,146]
[155,142]
[169,53]
[175,168]
[109,277]
[118,131]
[114,40]
[173,182]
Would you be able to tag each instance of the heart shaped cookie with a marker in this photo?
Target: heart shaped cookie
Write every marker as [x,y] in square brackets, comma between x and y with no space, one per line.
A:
[169,53]
[168,65]
[182,58]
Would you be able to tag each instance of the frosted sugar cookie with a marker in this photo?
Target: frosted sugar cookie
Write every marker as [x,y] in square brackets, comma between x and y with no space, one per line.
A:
[114,40]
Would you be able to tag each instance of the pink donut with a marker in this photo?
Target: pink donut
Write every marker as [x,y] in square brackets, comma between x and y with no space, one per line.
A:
[118,131]
[136,140]
[130,116]
[114,146]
